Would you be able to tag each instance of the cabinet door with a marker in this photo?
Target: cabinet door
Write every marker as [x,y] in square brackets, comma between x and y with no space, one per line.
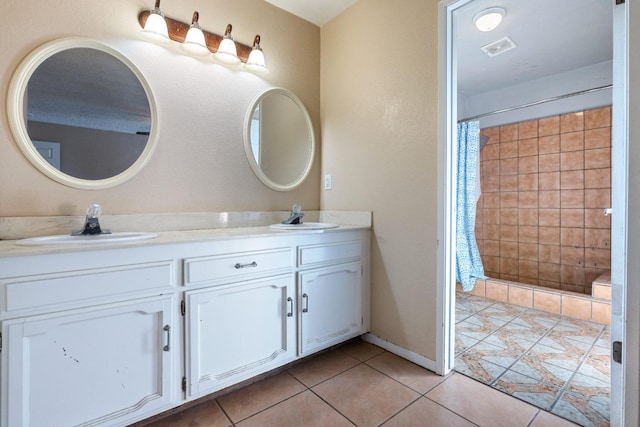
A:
[330,301]
[238,331]
[102,366]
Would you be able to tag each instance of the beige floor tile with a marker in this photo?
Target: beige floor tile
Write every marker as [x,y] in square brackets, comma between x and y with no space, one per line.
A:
[481,404]
[365,396]
[323,367]
[425,412]
[361,350]
[256,397]
[545,419]
[409,374]
[207,414]
[304,409]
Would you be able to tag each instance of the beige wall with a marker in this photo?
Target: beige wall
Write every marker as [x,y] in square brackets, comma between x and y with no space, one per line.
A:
[379,130]
[199,164]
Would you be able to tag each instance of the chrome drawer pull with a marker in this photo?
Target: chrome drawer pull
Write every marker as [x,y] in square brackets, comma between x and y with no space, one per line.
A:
[167,329]
[239,266]
[306,306]
[290,301]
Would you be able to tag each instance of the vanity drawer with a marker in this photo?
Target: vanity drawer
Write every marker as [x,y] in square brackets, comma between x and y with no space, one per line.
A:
[230,267]
[66,289]
[327,253]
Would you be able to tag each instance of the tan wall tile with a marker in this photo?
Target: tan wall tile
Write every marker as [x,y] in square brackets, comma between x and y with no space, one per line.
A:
[528,269]
[527,199]
[491,167]
[509,233]
[597,138]
[509,249]
[572,199]
[509,183]
[497,291]
[601,313]
[528,129]
[579,308]
[509,199]
[597,258]
[549,217]
[509,166]
[528,234]
[570,255]
[597,158]
[572,237]
[572,275]
[572,160]
[597,118]
[509,216]
[601,291]
[572,218]
[508,149]
[491,216]
[521,296]
[597,198]
[549,236]
[597,238]
[509,266]
[571,122]
[549,272]
[527,147]
[549,181]
[549,162]
[528,182]
[549,199]
[595,218]
[508,133]
[492,247]
[549,253]
[597,178]
[572,180]
[572,141]
[528,252]
[549,126]
[547,301]
[491,231]
[528,164]
[549,144]
[528,216]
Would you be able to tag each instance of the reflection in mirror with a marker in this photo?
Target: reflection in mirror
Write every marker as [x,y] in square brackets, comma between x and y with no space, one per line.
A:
[82,113]
[279,139]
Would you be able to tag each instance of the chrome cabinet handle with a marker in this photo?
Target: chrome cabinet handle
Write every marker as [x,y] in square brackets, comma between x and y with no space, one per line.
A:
[290,301]
[239,266]
[167,329]
[306,306]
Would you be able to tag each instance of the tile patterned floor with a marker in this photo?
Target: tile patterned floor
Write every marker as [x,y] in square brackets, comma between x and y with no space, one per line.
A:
[556,363]
[360,384]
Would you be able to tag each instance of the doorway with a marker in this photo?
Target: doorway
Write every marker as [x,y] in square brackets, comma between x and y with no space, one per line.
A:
[450,93]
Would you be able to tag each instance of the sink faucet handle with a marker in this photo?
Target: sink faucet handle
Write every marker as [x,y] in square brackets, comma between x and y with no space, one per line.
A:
[296,209]
[94,210]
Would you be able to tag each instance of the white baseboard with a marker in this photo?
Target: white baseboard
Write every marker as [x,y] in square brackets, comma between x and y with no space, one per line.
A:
[402,352]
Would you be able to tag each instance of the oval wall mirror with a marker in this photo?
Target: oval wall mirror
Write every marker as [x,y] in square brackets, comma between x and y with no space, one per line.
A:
[82,113]
[279,139]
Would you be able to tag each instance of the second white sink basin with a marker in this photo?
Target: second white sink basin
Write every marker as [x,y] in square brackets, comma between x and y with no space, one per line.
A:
[304,226]
[96,239]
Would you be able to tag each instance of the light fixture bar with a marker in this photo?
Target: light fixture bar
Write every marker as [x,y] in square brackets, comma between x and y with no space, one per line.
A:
[178,32]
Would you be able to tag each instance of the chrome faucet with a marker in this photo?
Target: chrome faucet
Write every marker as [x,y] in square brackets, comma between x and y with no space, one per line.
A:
[91,222]
[296,215]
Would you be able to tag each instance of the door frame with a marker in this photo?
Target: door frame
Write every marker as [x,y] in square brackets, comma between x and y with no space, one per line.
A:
[626,389]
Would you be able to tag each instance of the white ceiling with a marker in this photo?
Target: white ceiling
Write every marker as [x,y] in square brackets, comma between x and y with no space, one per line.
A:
[552,37]
[318,12]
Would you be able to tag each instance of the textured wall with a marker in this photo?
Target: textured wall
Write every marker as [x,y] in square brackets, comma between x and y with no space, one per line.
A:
[199,164]
[379,131]
[545,184]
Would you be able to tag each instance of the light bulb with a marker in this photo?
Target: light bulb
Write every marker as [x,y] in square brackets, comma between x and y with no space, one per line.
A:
[255,62]
[227,52]
[194,42]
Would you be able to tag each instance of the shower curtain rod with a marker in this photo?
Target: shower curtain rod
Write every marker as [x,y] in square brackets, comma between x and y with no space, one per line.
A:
[531,104]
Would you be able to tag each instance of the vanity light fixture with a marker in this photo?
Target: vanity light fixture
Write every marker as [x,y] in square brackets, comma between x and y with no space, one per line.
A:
[255,62]
[227,51]
[489,19]
[155,28]
[194,42]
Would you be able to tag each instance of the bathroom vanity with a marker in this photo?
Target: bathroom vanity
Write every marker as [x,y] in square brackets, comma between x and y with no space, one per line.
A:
[110,335]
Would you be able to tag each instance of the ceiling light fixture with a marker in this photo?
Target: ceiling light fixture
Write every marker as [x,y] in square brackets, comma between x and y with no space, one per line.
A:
[489,19]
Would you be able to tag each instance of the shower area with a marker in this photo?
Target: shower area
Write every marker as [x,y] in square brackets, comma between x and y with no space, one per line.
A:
[537,326]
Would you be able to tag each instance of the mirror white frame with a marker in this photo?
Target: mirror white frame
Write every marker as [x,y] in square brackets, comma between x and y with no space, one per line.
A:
[16,108]
[257,170]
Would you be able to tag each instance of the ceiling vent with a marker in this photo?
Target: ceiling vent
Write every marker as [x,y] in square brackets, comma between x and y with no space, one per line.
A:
[499,46]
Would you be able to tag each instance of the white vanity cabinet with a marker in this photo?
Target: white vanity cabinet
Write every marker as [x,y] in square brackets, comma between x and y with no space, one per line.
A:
[240,322]
[330,294]
[87,339]
[108,337]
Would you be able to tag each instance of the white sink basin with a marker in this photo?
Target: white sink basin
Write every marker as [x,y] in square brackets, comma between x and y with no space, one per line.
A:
[96,239]
[304,226]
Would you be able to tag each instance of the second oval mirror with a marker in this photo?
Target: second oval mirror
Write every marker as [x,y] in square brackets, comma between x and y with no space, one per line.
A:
[279,139]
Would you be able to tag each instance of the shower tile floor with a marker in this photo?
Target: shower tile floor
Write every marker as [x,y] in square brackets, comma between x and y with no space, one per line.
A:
[559,364]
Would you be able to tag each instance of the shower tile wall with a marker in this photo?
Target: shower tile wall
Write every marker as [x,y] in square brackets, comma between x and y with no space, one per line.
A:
[545,184]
